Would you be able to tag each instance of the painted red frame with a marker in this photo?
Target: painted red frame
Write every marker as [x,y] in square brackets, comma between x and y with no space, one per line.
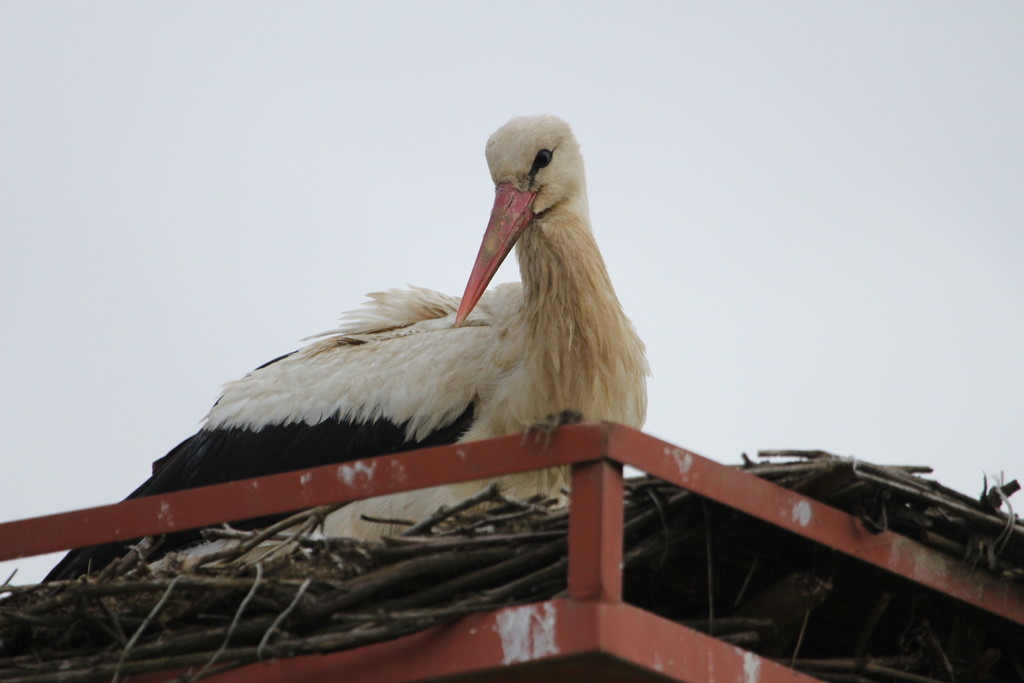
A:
[594,632]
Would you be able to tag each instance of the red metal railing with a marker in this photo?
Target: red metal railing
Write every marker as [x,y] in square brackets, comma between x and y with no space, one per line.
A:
[599,621]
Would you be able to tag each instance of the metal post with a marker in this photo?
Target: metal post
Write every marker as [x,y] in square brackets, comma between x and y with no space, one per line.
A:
[595,532]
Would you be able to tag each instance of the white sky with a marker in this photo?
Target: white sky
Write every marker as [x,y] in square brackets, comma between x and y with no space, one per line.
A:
[813,212]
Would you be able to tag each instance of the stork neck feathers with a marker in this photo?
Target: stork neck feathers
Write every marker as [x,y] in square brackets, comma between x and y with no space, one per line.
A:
[565,281]
[581,352]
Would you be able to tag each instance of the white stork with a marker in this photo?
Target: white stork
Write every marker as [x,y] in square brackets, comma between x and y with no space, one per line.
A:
[418,368]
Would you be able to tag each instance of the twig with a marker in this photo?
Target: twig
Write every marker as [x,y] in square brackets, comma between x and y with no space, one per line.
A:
[264,534]
[118,631]
[444,512]
[1000,492]
[796,453]
[280,618]
[390,521]
[800,638]
[234,623]
[142,627]
[664,525]
[135,555]
[473,580]
[422,545]
[290,541]
[868,629]
[746,581]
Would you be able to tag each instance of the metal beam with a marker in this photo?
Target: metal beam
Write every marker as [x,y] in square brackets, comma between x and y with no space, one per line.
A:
[564,640]
[817,522]
[280,493]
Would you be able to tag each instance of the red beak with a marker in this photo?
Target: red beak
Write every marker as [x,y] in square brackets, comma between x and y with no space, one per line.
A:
[512,212]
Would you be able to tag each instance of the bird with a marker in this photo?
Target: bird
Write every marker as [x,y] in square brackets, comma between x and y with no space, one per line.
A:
[416,368]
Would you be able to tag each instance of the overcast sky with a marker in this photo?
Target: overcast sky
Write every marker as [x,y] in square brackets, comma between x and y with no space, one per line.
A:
[813,212]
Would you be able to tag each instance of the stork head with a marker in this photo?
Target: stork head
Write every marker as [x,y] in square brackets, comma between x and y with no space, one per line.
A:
[536,165]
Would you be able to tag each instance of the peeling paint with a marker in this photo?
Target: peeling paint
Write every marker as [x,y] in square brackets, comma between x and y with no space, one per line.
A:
[802,513]
[684,460]
[349,473]
[398,471]
[527,633]
[165,512]
[751,668]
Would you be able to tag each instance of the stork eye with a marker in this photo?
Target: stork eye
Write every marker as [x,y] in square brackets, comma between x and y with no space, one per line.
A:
[542,159]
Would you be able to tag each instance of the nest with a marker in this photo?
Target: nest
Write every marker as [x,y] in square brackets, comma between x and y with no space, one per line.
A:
[688,559]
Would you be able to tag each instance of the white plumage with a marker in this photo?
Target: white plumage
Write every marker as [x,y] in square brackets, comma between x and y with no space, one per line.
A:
[398,359]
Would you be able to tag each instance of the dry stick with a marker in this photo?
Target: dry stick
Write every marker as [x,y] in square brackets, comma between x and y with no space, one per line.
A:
[746,581]
[664,526]
[280,618]
[377,616]
[76,590]
[242,655]
[649,545]
[135,555]
[142,627]
[493,597]
[934,647]
[897,674]
[367,585]
[641,518]
[361,588]
[797,453]
[291,540]
[254,538]
[389,521]
[118,631]
[852,663]
[264,534]
[952,497]
[535,502]
[1007,533]
[868,629]
[239,655]
[772,471]
[419,545]
[228,533]
[927,496]
[116,636]
[509,567]
[730,625]
[234,623]
[200,641]
[444,512]
[800,638]
[498,519]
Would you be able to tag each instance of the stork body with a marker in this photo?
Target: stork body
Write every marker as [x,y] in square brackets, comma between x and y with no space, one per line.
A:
[418,368]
